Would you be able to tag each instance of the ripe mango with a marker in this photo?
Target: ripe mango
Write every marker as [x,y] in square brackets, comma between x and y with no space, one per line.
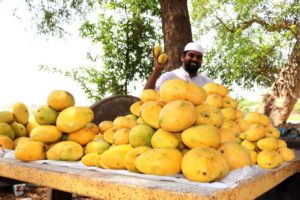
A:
[6,116]
[45,133]
[74,118]
[96,146]
[229,102]
[121,136]
[157,50]
[149,95]
[163,162]
[201,135]
[82,136]
[6,129]
[178,89]
[177,116]
[30,151]
[162,58]
[124,122]
[60,100]
[236,155]
[129,160]
[267,143]
[209,115]
[20,112]
[114,157]
[88,159]
[255,132]
[215,88]
[45,115]
[287,154]
[6,142]
[65,150]
[269,159]
[19,129]
[164,139]
[204,164]
[150,113]
[105,125]
[135,108]
[31,124]
[140,135]
[214,100]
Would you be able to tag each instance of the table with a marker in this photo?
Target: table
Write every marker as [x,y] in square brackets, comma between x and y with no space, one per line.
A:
[111,186]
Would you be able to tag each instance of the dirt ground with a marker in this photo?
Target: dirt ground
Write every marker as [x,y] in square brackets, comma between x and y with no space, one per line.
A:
[31,192]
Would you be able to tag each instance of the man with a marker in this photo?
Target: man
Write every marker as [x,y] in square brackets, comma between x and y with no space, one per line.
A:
[191,59]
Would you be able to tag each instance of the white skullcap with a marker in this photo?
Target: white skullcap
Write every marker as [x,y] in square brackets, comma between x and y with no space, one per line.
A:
[194,46]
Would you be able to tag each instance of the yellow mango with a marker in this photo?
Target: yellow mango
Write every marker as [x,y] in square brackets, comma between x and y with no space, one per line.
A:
[267,143]
[65,150]
[96,146]
[248,145]
[150,113]
[287,154]
[255,132]
[20,112]
[19,129]
[45,115]
[229,113]
[281,143]
[209,115]
[140,135]
[227,135]
[6,116]
[272,132]
[45,133]
[124,122]
[163,161]
[105,125]
[121,136]
[82,136]
[253,155]
[214,100]
[6,129]
[74,118]
[164,139]
[177,116]
[215,88]
[236,155]
[229,102]
[129,160]
[135,108]
[6,142]
[269,159]
[174,89]
[195,94]
[162,58]
[157,50]
[149,95]
[60,100]
[30,151]
[89,159]
[114,157]
[201,135]
[203,164]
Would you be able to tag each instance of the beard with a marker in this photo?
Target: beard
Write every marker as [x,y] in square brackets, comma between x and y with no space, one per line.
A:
[192,67]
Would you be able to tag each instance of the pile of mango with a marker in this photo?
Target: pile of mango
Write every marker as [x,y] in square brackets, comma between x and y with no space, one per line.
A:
[188,129]
[56,130]
[183,128]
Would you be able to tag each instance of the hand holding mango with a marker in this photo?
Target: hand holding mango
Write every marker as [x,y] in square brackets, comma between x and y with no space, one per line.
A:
[162,58]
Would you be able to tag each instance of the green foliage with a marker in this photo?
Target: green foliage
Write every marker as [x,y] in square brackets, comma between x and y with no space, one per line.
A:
[53,16]
[252,38]
[127,32]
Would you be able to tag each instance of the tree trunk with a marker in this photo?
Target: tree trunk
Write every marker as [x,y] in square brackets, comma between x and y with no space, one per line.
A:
[176,29]
[280,101]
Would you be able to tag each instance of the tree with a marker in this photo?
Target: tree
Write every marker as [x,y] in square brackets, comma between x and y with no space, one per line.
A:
[52,16]
[256,42]
[176,28]
[127,32]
